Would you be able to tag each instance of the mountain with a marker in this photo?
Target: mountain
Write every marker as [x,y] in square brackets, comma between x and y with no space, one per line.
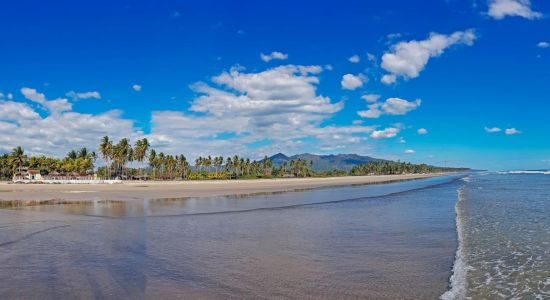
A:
[326,162]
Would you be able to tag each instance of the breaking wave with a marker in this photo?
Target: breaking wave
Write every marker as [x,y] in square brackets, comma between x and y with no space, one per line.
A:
[458,284]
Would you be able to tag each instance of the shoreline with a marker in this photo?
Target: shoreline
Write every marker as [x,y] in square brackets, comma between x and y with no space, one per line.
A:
[128,191]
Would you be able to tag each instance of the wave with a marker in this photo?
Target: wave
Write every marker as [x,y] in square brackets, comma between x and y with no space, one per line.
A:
[460,267]
[545,172]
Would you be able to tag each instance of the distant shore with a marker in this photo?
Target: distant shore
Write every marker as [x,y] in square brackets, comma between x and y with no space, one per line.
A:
[180,189]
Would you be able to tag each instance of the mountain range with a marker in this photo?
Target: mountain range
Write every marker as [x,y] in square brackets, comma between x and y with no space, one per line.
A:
[326,162]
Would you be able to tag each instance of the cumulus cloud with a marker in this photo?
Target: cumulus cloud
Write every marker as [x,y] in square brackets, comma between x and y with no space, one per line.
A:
[60,129]
[422,131]
[543,45]
[250,113]
[54,106]
[386,133]
[408,59]
[136,87]
[511,131]
[492,129]
[279,107]
[500,9]
[373,112]
[371,98]
[352,82]
[409,151]
[388,79]
[392,106]
[273,55]
[354,59]
[14,111]
[85,95]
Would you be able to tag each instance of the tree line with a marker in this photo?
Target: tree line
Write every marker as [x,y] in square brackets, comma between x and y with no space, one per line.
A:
[124,160]
[396,167]
[79,162]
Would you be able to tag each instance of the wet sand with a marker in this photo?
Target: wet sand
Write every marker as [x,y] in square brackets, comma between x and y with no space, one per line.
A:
[382,241]
[182,189]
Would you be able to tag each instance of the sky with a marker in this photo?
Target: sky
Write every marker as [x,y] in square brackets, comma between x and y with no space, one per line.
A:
[444,82]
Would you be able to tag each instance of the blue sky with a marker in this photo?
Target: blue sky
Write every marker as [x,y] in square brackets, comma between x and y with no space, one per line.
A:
[189,76]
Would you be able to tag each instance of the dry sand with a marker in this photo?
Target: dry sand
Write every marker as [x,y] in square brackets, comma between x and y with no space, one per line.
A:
[181,189]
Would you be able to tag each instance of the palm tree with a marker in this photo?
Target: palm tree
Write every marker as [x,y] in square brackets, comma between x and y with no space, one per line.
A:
[72,154]
[140,149]
[161,160]
[153,160]
[121,153]
[236,164]
[83,153]
[198,162]
[106,148]
[18,157]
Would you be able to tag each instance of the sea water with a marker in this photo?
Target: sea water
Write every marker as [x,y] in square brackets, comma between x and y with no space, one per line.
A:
[503,223]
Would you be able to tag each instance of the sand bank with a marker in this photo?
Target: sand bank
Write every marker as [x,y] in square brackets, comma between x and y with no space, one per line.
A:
[181,189]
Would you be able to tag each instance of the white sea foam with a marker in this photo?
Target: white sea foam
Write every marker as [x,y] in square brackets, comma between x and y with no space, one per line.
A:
[524,172]
[460,268]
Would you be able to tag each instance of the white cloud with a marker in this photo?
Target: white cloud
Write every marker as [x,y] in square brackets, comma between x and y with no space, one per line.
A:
[9,96]
[354,59]
[500,9]
[408,59]
[543,45]
[280,105]
[273,55]
[392,106]
[397,106]
[85,95]
[54,106]
[492,129]
[15,111]
[511,131]
[410,151]
[60,129]
[371,57]
[388,79]
[422,131]
[371,98]
[136,87]
[402,140]
[387,133]
[248,113]
[373,112]
[352,82]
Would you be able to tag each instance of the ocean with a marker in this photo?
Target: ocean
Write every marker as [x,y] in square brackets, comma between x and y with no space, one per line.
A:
[503,222]
[483,236]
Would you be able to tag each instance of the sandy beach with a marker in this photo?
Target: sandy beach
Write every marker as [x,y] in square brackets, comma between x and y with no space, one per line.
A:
[180,189]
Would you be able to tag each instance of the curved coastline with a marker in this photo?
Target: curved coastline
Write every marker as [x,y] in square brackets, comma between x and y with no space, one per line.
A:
[180,189]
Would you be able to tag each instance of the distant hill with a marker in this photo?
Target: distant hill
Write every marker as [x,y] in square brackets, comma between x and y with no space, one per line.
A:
[326,162]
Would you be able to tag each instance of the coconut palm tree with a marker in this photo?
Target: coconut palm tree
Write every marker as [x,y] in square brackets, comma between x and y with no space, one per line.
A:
[83,153]
[153,160]
[140,150]
[106,149]
[18,157]
[121,151]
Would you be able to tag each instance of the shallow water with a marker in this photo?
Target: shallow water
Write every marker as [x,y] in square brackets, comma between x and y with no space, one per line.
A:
[504,224]
[378,242]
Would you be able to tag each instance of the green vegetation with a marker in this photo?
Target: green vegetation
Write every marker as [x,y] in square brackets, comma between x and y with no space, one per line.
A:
[146,163]
[392,167]
[79,162]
